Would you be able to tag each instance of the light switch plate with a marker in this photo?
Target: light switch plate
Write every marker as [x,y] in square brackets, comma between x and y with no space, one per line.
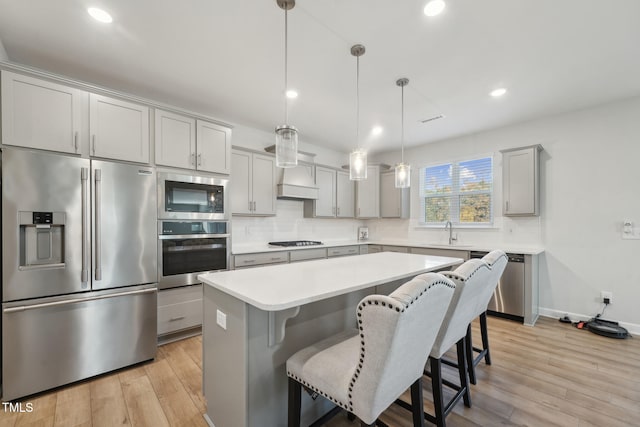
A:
[221,319]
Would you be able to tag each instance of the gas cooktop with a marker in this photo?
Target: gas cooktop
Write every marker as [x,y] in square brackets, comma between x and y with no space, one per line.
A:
[296,243]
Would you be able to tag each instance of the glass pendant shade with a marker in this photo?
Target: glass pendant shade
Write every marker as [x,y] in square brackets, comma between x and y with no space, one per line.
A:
[358,165]
[403,175]
[286,146]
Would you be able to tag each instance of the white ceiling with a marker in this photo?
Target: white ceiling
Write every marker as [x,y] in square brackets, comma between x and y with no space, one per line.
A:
[225,59]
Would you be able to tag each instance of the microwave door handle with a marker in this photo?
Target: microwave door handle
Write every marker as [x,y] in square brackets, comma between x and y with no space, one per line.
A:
[84,177]
[98,231]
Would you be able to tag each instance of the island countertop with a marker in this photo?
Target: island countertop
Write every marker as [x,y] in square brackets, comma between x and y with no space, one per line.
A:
[283,286]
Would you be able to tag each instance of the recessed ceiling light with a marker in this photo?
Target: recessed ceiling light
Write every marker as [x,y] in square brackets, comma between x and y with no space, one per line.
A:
[496,93]
[377,130]
[292,94]
[434,7]
[100,15]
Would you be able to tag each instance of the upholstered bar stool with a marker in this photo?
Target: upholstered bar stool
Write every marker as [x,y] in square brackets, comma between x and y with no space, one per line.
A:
[366,371]
[497,261]
[468,279]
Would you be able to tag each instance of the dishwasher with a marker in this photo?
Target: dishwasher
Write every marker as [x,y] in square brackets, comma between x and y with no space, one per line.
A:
[508,298]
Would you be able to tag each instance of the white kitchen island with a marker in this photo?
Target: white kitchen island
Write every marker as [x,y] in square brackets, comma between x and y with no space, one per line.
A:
[255,319]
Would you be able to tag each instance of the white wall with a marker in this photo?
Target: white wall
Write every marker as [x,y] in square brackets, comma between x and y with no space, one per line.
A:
[590,182]
[3,53]
[289,222]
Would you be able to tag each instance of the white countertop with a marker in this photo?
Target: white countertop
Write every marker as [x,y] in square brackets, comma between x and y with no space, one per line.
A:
[283,286]
[264,247]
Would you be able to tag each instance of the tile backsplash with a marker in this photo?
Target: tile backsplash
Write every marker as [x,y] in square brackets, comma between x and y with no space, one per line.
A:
[290,224]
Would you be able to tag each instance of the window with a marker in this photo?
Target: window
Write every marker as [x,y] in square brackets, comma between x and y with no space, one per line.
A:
[460,192]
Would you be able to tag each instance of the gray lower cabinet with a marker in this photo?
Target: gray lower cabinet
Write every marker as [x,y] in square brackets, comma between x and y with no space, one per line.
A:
[179,312]
[453,253]
[259,259]
[401,249]
[372,249]
[307,254]
[343,251]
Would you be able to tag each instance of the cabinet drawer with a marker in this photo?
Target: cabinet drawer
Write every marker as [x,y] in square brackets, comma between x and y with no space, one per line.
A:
[249,260]
[453,253]
[307,254]
[372,249]
[401,249]
[344,250]
[178,295]
[183,315]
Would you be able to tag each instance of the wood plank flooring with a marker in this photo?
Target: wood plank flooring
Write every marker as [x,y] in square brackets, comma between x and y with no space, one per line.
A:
[548,375]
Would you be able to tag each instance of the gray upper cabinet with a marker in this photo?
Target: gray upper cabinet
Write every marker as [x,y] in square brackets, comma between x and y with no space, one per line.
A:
[253,191]
[118,129]
[345,195]
[335,195]
[40,114]
[394,202]
[175,139]
[214,147]
[368,194]
[521,181]
[187,143]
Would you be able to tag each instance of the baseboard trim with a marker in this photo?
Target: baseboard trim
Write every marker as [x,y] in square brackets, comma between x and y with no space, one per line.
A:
[633,328]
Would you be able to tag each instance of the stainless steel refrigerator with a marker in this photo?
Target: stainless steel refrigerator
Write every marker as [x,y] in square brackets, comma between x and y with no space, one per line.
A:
[79,268]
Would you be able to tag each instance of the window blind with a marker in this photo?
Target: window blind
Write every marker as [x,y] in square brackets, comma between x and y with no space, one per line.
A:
[460,192]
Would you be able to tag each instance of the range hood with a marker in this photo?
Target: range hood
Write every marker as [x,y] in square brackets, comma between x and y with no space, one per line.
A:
[297,183]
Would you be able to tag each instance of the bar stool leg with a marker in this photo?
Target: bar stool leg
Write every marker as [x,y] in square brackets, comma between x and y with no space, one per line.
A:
[485,337]
[436,385]
[462,371]
[470,356]
[417,403]
[295,390]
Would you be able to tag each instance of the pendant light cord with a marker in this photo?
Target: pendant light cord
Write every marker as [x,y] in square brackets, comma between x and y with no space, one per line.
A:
[286,105]
[358,101]
[402,132]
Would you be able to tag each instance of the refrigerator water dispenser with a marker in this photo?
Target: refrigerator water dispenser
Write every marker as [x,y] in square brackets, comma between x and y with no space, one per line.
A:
[41,239]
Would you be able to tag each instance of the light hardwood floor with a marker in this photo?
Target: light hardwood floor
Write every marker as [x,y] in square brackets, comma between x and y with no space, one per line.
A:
[548,375]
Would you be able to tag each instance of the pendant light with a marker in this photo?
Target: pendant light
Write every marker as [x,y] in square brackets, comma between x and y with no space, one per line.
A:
[358,157]
[286,135]
[403,170]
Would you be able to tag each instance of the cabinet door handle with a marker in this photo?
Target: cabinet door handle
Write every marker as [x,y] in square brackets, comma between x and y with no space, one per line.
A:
[247,261]
[254,206]
[93,144]
[75,140]
[338,210]
[193,159]
[173,319]
[199,159]
[250,206]
[507,207]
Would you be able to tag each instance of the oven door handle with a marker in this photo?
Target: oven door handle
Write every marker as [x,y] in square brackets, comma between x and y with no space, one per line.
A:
[194,248]
[192,236]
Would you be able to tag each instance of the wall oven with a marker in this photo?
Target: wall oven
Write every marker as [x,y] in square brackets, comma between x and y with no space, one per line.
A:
[189,248]
[192,197]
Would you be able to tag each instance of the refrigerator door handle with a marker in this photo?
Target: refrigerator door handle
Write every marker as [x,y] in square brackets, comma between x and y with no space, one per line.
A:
[98,231]
[84,177]
[77,300]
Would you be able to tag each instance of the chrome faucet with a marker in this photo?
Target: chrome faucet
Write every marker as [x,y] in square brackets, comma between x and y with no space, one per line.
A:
[449,225]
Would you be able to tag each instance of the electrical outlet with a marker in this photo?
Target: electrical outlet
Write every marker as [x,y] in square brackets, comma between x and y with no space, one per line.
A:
[221,319]
[629,232]
[606,295]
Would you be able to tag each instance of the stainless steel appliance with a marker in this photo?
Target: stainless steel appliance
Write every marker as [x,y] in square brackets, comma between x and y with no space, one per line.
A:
[192,197]
[508,298]
[189,248]
[290,243]
[79,269]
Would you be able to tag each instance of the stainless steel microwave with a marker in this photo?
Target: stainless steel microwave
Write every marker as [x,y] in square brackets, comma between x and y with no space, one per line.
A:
[192,197]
